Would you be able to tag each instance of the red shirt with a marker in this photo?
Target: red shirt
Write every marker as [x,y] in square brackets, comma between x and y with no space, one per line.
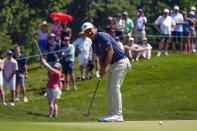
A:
[54,79]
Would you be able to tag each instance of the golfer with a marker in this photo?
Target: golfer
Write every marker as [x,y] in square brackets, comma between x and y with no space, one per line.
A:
[53,91]
[109,52]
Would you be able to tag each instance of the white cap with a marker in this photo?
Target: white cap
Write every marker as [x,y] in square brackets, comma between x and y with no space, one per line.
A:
[57,65]
[166,11]
[144,38]
[176,7]
[131,39]
[192,13]
[193,8]
[52,35]
[86,26]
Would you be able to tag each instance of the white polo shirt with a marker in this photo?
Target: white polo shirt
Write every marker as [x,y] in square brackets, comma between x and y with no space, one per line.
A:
[165,23]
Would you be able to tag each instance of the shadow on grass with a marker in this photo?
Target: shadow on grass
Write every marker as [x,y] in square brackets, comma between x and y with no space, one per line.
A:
[37,114]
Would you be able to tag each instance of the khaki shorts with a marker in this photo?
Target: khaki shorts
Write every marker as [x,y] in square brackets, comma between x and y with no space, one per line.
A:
[20,78]
[140,35]
[53,94]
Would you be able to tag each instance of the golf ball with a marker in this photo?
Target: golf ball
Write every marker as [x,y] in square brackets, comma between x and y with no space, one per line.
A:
[160,122]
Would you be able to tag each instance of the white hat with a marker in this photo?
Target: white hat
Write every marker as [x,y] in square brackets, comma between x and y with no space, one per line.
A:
[144,38]
[131,39]
[57,65]
[176,7]
[86,26]
[193,8]
[192,13]
[166,11]
[52,35]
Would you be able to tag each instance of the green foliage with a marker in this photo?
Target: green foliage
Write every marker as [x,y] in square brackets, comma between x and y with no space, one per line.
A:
[20,18]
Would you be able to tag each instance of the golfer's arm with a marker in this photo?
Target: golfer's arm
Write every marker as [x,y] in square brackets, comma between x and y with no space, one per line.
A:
[110,53]
[49,67]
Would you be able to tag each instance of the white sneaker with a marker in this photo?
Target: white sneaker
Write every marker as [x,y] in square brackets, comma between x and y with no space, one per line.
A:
[12,104]
[102,118]
[114,118]
[45,94]
[25,99]
[17,99]
[166,53]
[4,103]
[97,74]
[159,53]
[136,59]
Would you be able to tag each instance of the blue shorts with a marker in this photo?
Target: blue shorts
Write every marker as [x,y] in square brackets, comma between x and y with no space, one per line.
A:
[177,36]
[67,67]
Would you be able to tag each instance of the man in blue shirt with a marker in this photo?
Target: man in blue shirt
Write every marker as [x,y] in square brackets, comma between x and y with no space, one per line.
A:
[20,77]
[109,52]
[68,54]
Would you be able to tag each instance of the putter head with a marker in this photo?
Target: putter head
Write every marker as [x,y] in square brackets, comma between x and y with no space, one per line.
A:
[86,115]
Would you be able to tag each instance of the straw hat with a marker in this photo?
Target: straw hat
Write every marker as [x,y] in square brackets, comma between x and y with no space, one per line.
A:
[44,23]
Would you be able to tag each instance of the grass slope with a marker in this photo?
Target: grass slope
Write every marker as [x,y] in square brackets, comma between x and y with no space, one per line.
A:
[162,88]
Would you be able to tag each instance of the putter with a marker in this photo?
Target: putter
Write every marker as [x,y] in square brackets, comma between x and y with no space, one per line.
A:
[38,49]
[88,114]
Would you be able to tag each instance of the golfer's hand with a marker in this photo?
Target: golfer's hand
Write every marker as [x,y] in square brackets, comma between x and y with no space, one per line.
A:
[44,61]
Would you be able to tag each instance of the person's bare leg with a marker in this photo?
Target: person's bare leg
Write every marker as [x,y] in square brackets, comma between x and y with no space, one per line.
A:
[81,70]
[181,46]
[55,108]
[160,46]
[188,45]
[173,47]
[23,89]
[51,107]
[17,90]
[166,47]
[73,80]
[67,82]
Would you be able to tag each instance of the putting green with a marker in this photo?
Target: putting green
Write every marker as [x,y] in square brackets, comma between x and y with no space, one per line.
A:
[169,125]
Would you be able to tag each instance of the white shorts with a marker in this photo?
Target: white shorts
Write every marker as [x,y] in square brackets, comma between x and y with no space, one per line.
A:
[82,60]
[12,83]
[1,79]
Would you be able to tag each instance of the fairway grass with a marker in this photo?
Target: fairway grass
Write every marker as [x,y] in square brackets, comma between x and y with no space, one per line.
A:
[176,125]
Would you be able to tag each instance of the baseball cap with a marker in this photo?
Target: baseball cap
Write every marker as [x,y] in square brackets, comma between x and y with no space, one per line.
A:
[140,10]
[125,13]
[119,14]
[66,38]
[144,38]
[166,11]
[57,65]
[131,39]
[176,7]
[192,13]
[52,35]
[110,18]
[193,8]
[86,26]
[9,52]
[117,38]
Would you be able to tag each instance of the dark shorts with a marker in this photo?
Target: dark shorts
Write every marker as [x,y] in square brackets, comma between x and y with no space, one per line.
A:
[186,35]
[20,78]
[68,68]
[119,33]
[165,38]
[177,36]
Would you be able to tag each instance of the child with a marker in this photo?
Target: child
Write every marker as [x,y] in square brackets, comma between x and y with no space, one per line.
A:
[147,52]
[53,91]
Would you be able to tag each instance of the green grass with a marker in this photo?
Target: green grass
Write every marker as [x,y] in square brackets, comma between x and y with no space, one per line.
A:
[162,88]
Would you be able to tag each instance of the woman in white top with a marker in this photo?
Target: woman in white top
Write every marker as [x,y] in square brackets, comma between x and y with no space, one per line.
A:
[1,83]
[42,38]
[119,25]
[147,49]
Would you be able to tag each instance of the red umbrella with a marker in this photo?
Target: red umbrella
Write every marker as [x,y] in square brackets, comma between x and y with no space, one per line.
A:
[61,16]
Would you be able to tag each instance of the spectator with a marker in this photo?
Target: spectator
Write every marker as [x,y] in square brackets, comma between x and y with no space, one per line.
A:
[57,29]
[53,91]
[9,74]
[194,10]
[128,30]
[192,29]
[119,42]
[66,32]
[140,22]
[68,54]
[110,26]
[83,47]
[147,49]
[132,50]
[42,39]
[20,77]
[166,23]
[1,83]
[52,50]
[122,39]
[119,25]
[186,33]
[178,30]
[109,52]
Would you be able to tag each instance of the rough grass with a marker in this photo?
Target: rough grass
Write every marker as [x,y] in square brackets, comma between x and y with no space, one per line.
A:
[162,88]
